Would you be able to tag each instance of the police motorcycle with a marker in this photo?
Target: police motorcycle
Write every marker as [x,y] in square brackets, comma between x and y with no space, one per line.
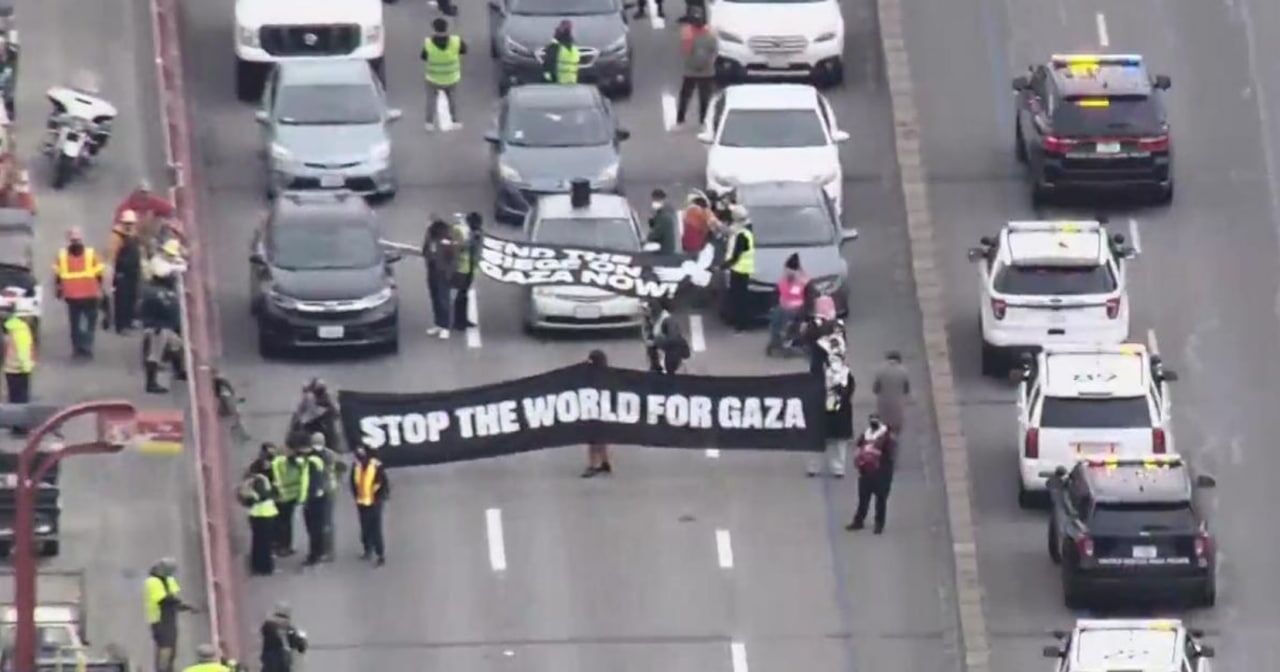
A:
[79,127]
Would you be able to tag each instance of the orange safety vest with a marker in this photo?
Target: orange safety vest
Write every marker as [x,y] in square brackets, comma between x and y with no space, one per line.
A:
[366,479]
[80,276]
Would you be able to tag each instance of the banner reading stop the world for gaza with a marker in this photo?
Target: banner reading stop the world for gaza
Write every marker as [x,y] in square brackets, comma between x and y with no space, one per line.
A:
[583,404]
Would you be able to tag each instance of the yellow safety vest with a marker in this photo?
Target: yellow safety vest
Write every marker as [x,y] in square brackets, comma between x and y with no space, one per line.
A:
[19,351]
[567,64]
[265,507]
[746,263]
[444,66]
[207,667]
[366,479]
[80,282]
[155,594]
[291,479]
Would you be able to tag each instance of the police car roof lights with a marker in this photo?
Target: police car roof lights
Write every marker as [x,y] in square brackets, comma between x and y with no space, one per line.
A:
[1165,461]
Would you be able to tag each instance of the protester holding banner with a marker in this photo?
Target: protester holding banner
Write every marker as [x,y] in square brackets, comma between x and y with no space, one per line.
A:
[597,451]
[839,384]
[664,343]
[823,334]
[439,249]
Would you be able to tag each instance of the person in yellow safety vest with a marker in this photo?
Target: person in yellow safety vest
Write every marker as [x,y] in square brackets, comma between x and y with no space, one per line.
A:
[258,495]
[560,58]
[162,602]
[370,487]
[78,275]
[19,355]
[442,53]
[289,478]
[741,264]
[208,660]
[469,239]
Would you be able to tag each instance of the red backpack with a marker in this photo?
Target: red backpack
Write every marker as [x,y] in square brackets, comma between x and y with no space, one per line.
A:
[870,451]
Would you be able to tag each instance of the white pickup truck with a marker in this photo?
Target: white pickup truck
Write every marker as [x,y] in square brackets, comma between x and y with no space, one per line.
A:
[269,31]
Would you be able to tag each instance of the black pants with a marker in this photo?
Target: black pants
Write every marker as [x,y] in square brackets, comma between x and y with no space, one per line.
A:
[371,529]
[642,8]
[704,85]
[739,300]
[125,300]
[262,532]
[663,361]
[284,526]
[165,638]
[873,486]
[19,386]
[462,299]
[314,513]
[82,314]
[438,286]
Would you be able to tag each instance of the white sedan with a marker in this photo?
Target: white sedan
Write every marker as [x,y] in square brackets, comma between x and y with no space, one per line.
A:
[770,133]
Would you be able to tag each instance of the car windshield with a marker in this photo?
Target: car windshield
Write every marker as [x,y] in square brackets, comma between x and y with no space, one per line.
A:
[1110,413]
[328,104]
[786,226]
[314,246]
[1121,115]
[562,7]
[773,128]
[603,233]
[1127,519]
[1054,280]
[557,127]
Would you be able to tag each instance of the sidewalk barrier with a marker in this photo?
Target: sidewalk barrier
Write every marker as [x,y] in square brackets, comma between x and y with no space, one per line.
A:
[199,322]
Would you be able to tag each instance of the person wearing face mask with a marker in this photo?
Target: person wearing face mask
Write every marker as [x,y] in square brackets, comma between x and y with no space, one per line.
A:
[662,224]
[78,273]
[790,306]
[876,453]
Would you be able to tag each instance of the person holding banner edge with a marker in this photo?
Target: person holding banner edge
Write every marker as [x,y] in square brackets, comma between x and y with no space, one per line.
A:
[439,249]
[664,344]
[597,453]
[469,240]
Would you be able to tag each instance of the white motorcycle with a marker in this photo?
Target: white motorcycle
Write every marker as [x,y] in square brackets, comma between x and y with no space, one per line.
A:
[78,128]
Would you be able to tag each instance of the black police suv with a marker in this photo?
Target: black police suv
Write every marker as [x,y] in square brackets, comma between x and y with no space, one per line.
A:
[1131,527]
[1093,122]
[320,275]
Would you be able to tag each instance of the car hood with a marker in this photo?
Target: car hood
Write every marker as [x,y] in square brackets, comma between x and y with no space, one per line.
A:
[338,144]
[580,292]
[597,30]
[747,19]
[817,262]
[551,168]
[330,284]
[744,164]
[256,13]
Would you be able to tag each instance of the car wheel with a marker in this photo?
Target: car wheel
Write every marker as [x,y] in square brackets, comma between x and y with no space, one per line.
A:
[1055,551]
[1019,147]
[625,89]
[1165,195]
[993,361]
[1026,498]
[1209,593]
[49,549]
[266,347]
[5,549]
[249,81]
[379,66]
[833,75]
[1071,594]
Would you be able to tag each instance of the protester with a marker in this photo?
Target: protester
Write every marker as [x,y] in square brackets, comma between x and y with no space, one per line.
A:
[280,640]
[790,307]
[163,602]
[316,412]
[471,237]
[875,459]
[642,8]
[597,453]
[258,496]
[440,251]
[145,204]
[892,387]
[167,262]
[741,264]
[161,314]
[334,468]
[700,46]
[699,223]
[314,498]
[208,660]
[664,343]
[839,384]
[287,475]
[823,334]
[663,224]
[125,256]
[78,276]
[561,58]
[442,53]
[19,357]
[371,489]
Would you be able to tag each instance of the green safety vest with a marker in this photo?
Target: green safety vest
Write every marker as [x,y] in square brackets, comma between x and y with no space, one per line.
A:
[291,479]
[19,356]
[444,66]
[464,248]
[746,263]
[155,594]
[567,64]
[265,507]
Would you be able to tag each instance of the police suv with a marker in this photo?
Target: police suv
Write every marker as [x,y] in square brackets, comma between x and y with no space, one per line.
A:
[1081,400]
[1048,282]
[1149,645]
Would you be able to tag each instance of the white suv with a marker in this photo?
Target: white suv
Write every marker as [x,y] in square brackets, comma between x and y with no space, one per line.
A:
[771,133]
[1046,283]
[268,31]
[1081,400]
[779,38]
[1150,645]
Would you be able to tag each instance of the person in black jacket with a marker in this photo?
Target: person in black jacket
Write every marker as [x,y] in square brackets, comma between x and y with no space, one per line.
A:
[597,453]
[875,459]
[839,384]
[280,640]
[161,315]
[561,39]
[664,343]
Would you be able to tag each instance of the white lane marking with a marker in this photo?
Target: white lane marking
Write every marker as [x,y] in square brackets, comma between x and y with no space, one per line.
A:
[738,654]
[724,549]
[713,453]
[497,545]
[668,111]
[1103,38]
[442,114]
[697,339]
[656,21]
[1135,236]
[1152,344]
[473,316]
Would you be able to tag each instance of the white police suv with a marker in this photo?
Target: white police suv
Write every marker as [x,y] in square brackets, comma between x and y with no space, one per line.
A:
[1089,400]
[1050,282]
[1149,645]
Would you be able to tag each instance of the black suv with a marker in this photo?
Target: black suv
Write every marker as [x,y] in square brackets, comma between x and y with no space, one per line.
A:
[320,275]
[1093,121]
[1131,525]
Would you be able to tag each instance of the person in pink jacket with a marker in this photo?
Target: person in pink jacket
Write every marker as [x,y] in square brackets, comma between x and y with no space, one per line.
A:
[790,306]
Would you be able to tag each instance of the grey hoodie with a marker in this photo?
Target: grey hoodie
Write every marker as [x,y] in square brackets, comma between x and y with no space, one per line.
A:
[701,59]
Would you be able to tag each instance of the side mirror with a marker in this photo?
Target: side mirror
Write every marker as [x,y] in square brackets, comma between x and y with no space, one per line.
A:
[1205,651]
[1162,82]
[492,137]
[394,114]
[261,117]
[1205,481]
[1052,652]
[987,241]
[705,137]
[840,136]
[256,258]
[651,246]
[1169,376]
[848,235]
[1021,83]
[622,134]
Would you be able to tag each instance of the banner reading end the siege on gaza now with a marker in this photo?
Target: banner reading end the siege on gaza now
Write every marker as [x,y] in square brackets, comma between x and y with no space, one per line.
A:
[642,274]
[584,404]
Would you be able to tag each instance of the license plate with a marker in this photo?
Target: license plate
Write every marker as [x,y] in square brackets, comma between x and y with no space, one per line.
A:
[331,332]
[778,63]
[333,181]
[1108,148]
[1095,448]
[1144,552]
[587,312]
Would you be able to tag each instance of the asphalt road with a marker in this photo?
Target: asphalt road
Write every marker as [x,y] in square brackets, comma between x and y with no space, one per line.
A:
[1205,285]
[622,573]
[120,513]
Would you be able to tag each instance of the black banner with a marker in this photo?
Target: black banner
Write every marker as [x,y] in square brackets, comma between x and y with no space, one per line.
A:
[584,403]
[643,275]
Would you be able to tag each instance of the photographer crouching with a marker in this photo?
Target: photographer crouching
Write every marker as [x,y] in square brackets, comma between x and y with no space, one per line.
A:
[161,314]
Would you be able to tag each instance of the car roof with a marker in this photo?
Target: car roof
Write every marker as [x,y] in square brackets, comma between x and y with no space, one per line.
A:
[1100,75]
[779,193]
[771,96]
[1055,243]
[329,206]
[1095,371]
[554,95]
[1103,645]
[1152,479]
[559,206]
[324,71]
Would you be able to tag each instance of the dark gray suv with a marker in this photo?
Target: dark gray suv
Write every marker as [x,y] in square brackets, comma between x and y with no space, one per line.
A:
[519,29]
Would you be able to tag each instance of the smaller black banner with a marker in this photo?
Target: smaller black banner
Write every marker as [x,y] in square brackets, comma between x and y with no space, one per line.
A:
[585,404]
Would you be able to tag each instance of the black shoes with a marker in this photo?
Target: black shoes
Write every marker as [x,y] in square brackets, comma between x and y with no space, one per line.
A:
[857,525]
[590,472]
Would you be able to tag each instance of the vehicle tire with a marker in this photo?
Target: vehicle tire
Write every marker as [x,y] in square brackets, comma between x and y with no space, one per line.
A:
[833,76]
[393,346]
[379,66]
[1019,147]
[266,347]
[1165,195]
[1055,551]
[1026,498]
[493,46]
[249,81]
[1071,595]
[1209,593]
[624,90]
[993,361]
[49,549]
[61,171]
[5,549]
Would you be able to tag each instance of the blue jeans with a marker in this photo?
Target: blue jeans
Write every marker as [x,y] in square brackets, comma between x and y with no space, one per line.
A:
[83,317]
[779,319]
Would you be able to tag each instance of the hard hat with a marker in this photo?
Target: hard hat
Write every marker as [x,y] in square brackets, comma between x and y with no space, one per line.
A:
[172,247]
[128,217]
[207,653]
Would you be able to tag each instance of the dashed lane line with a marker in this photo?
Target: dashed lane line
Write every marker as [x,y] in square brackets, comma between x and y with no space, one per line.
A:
[738,656]
[656,21]
[497,544]
[473,316]
[1135,236]
[724,549]
[931,297]
[697,337]
[713,453]
[668,111]
[1103,38]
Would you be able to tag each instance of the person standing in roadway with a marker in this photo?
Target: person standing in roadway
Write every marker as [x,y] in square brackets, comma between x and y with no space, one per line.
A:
[370,487]
[442,53]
